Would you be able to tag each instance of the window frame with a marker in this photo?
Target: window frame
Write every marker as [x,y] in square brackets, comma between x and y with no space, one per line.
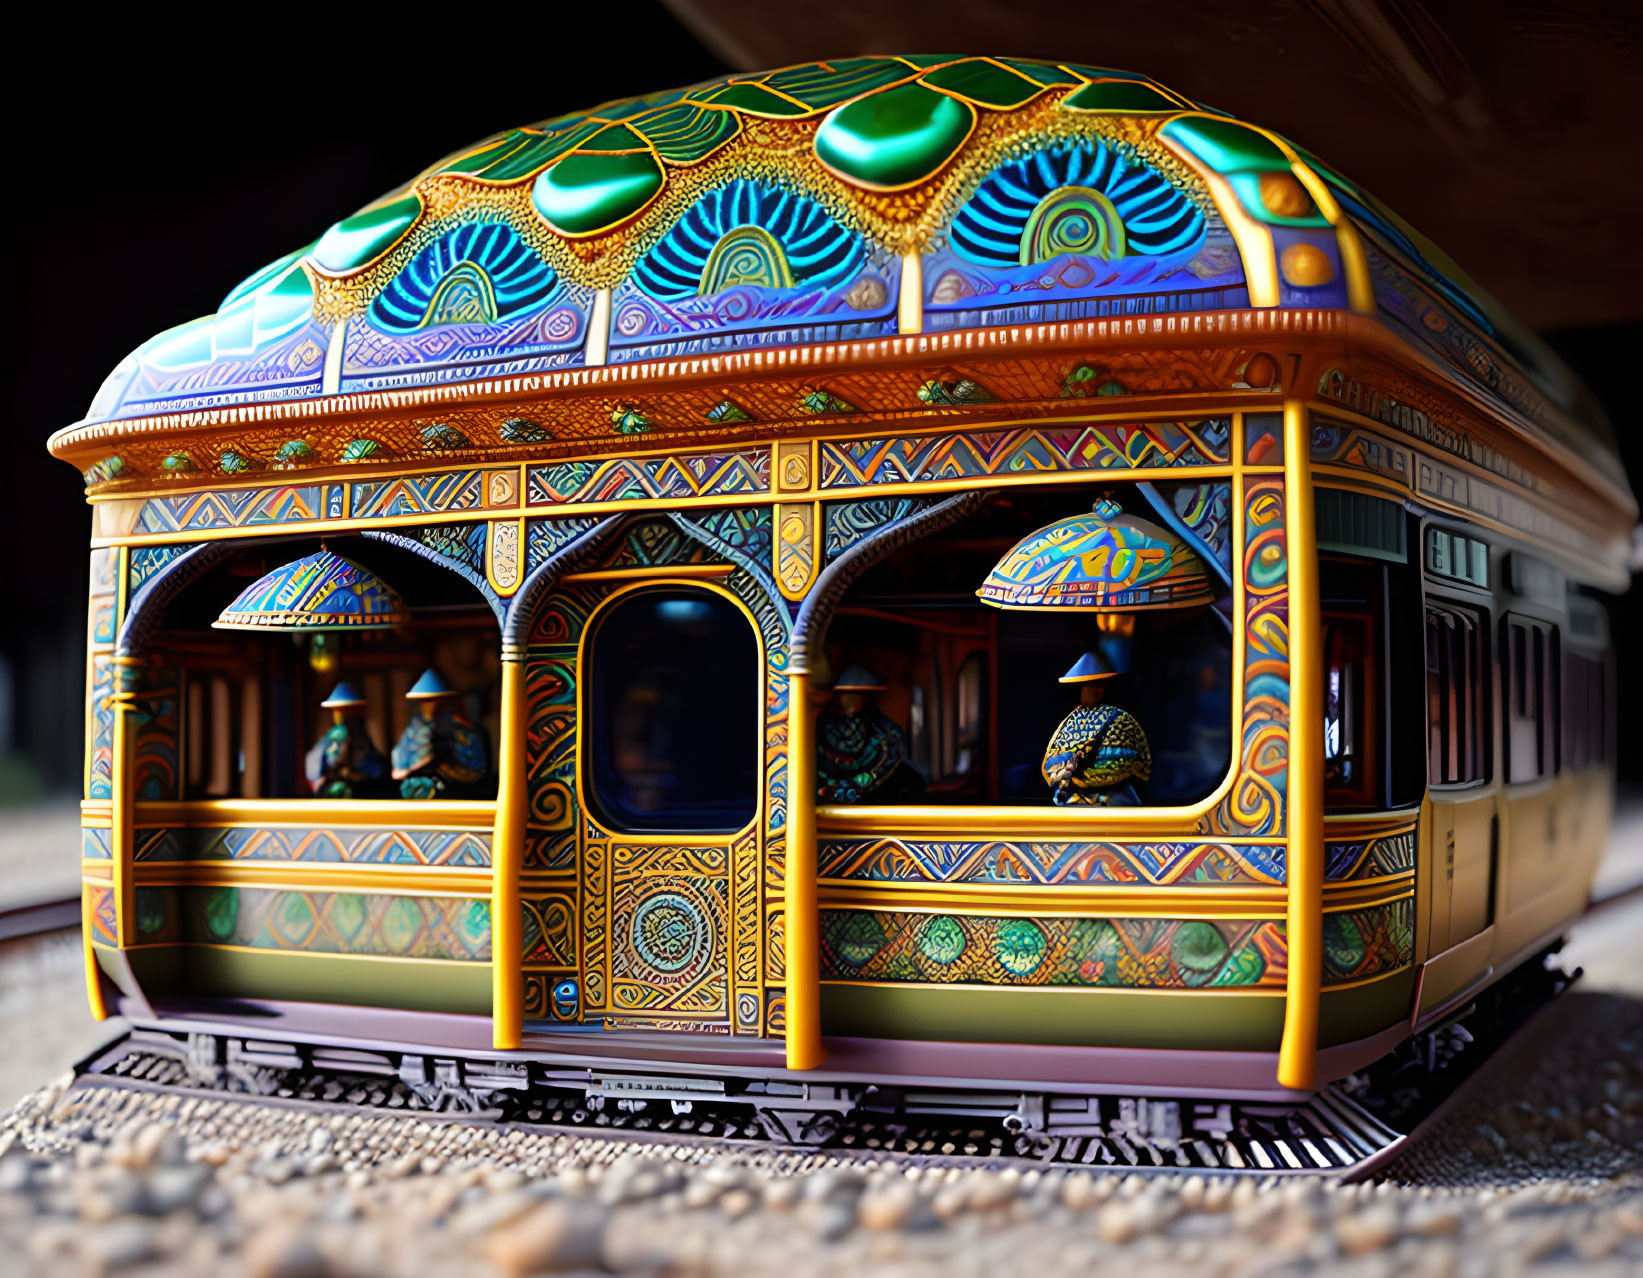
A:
[1531,668]
[1367,789]
[1481,685]
[1588,740]
[1012,818]
[601,813]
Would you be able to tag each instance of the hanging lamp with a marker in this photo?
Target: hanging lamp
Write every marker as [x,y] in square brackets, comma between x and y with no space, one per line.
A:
[322,591]
[1106,560]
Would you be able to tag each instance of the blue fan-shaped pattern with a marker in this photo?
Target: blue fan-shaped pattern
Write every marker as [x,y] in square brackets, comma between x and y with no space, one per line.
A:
[1159,218]
[819,252]
[503,275]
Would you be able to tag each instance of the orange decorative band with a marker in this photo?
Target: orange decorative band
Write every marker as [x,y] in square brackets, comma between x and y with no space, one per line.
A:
[1371,855]
[1160,864]
[637,478]
[1022,453]
[364,846]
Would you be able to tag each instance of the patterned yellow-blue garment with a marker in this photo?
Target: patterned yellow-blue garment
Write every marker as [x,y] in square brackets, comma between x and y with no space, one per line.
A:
[1095,754]
[856,754]
[346,764]
[441,756]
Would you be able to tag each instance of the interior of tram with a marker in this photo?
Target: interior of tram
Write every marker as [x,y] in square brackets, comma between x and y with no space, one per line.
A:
[977,690]
[250,705]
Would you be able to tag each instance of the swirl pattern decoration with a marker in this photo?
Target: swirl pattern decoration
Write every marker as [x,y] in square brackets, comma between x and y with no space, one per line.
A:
[477,274]
[1089,198]
[749,233]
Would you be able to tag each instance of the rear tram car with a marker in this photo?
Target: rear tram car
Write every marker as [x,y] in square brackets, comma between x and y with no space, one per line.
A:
[961,575]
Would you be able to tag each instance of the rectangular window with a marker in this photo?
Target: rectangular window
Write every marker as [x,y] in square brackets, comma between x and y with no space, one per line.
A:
[1532,720]
[1459,558]
[1456,696]
[1349,701]
[1374,710]
[672,718]
[1586,725]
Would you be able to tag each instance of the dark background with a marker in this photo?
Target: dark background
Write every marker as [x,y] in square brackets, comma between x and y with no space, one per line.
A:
[151,173]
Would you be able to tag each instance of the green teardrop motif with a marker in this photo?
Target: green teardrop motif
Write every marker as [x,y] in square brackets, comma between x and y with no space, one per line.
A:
[222,911]
[1021,946]
[1120,95]
[346,916]
[584,194]
[151,911]
[103,471]
[356,240]
[521,430]
[942,940]
[1198,949]
[895,137]
[1344,944]
[402,923]
[985,82]
[1245,967]
[1227,146]
[294,450]
[858,936]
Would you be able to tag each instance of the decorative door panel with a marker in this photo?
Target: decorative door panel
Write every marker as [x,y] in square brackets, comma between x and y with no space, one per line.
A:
[669,929]
[649,930]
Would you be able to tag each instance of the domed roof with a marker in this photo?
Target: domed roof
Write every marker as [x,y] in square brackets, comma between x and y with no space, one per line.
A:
[838,201]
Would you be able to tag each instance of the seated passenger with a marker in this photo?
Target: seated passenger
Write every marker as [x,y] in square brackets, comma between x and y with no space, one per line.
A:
[345,763]
[1099,752]
[859,750]
[440,755]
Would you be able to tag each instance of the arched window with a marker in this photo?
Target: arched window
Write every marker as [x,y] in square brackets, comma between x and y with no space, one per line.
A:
[673,705]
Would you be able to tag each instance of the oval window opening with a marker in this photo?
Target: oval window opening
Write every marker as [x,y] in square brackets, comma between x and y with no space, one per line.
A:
[673,705]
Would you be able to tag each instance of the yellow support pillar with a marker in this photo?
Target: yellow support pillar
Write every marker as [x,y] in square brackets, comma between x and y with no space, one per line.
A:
[507,859]
[122,837]
[94,984]
[1298,1050]
[804,1045]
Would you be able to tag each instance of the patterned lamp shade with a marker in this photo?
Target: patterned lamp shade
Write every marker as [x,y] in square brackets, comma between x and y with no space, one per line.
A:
[1105,560]
[319,592]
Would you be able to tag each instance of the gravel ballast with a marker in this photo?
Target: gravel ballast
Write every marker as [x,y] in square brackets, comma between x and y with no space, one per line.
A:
[1537,1168]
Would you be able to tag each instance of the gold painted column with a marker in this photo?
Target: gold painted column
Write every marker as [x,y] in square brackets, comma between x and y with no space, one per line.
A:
[122,835]
[507,859]
[94,984]
[1298,1050]
[803,924]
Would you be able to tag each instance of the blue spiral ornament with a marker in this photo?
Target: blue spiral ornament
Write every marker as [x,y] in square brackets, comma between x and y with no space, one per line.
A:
[669,931]
[480,274]
[750,234]
[1088,198]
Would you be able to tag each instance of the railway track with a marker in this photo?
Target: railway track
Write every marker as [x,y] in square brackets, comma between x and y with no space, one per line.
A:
[1348,1130]
[1330,1133]
[18,922]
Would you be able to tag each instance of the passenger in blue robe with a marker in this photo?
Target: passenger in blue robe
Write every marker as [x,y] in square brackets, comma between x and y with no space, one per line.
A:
[860,751]
[345,763]
[440,755]
[1099,753]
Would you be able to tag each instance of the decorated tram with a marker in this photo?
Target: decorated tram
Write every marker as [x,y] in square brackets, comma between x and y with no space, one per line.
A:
[916,571]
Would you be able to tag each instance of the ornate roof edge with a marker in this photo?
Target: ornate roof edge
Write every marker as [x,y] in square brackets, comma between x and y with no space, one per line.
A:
[1320,330]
